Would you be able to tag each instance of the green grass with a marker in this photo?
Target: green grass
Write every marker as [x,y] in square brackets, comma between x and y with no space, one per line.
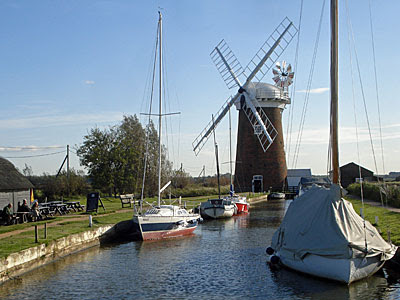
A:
[26,239]
[388,220]
[390,192]
[112,215]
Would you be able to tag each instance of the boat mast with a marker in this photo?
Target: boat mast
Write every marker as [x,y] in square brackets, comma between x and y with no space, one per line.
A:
[334,93]
[230,152]
[160,111]
[216,158]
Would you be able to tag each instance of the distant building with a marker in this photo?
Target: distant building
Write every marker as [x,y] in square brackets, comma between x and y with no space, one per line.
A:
[394,174]
[14,187]
[350,173]
[294,178]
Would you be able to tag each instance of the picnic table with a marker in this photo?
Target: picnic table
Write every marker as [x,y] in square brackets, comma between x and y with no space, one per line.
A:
[22,216]
[45,210]
[55,207]
[74,205]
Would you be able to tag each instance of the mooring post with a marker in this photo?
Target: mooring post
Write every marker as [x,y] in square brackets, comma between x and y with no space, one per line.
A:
[45,231]
[36,234]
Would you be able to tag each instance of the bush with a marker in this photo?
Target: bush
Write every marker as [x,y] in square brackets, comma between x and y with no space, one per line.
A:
[195,190]
[371,191]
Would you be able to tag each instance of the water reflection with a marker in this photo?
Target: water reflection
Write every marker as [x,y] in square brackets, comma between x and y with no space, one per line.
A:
[308,287]
[222,259]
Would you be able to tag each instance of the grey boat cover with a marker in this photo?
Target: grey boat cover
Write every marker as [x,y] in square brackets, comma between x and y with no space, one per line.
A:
[320,222]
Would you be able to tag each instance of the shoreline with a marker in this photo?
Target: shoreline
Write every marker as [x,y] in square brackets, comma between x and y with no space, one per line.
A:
[18,263]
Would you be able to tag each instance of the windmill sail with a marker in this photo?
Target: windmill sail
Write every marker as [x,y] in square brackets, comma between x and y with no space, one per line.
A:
[202,138]
[270,51]
[227,64]
[263,127]
[230,69]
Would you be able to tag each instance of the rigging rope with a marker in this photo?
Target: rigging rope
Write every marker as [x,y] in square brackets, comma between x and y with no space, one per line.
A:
[365,105]
[377,92]
[307,96]
[146,153]
[356,124]
[293,92]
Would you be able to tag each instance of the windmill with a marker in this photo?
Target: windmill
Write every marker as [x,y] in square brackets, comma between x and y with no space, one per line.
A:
[260,106]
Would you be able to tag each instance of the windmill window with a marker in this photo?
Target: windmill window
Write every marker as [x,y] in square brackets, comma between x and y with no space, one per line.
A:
[257,129]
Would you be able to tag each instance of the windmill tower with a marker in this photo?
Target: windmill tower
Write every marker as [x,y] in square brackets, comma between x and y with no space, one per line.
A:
[260,107]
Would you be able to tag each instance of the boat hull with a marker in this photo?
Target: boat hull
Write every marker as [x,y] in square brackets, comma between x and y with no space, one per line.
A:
[163,234]
[342,270]
[153,228]
[242,207]
[217,212]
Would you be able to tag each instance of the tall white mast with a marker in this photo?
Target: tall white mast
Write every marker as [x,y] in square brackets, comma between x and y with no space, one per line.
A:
[160,111]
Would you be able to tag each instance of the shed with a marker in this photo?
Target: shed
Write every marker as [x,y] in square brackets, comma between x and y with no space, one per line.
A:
[351,171]
[294,177]
[14,187]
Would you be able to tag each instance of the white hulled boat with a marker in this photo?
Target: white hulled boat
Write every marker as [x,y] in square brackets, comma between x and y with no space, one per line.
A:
[163,221]
[217,209]
[321,234]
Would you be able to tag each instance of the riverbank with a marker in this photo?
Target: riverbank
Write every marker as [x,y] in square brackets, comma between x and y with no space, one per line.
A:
[67,234]
[70,234]
[29,259]
[385,219]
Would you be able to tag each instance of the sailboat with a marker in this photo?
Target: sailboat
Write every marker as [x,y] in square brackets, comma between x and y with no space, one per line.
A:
[163,221]
[321,234]
[220,208]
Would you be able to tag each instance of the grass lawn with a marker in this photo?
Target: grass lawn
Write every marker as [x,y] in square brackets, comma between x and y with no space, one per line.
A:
[387,220]
[112,215]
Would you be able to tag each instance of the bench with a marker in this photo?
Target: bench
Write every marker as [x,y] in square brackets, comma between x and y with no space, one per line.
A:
[127,200]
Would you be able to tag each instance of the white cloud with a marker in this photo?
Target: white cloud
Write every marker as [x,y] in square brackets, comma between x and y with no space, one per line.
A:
[29,148]
[315,91]
[90,82]
[61,120]
[348,135]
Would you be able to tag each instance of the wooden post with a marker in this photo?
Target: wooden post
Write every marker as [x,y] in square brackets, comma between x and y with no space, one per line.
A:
[36,234]
[45,231]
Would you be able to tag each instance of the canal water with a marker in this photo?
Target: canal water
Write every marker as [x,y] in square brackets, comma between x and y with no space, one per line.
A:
[223,259]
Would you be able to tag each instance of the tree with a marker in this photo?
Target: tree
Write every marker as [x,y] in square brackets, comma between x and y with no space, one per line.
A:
[27,171]
[180,179]
[115,157]
[96,155]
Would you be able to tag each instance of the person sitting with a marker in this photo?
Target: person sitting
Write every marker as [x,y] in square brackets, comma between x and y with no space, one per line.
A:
[7,214]
[35,211]
[24,207]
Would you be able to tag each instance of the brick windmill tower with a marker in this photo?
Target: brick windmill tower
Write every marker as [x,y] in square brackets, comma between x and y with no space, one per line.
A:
[260,107]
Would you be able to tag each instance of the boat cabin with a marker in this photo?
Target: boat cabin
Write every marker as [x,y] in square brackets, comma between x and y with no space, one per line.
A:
[167,210]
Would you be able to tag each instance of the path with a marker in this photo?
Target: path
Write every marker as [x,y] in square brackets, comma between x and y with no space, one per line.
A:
[374,203]
[56,223]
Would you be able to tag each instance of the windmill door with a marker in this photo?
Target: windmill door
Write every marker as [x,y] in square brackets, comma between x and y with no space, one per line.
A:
[257,184]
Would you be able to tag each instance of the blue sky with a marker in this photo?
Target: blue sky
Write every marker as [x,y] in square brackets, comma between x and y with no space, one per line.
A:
[68,66]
